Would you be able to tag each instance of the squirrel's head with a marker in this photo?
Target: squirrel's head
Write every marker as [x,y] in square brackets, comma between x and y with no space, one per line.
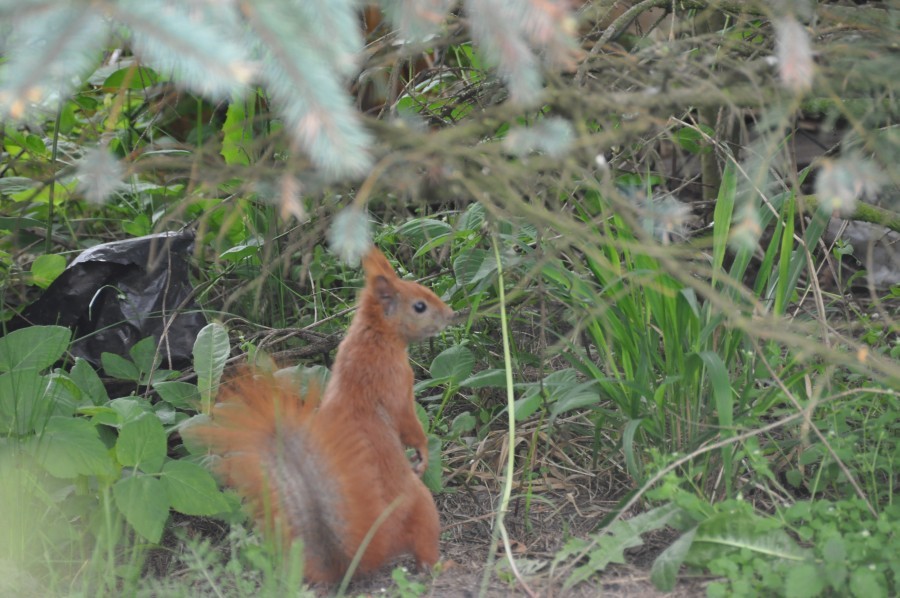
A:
[412,310]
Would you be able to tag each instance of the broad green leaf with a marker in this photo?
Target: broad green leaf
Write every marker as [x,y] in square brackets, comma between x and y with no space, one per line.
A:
[35,347]
[63,395]
[84,376]
[181,395]
[24,403]
[9,223]
[420,230]
[527,405]
[192,490]
[664,572]
[472,219]
[120,368]
[865,583]
[575,396]
[239,252]
[453,364]
[142,444]
[462,423]
[145,356]
[144,502]
[190,442]
[804,581]
[132,77]
[70,447]
[727,531]
[102,414]
[834,550]
[210,354]
[473,265]
[491,378]
[138,226]
[129,409]
[45,268]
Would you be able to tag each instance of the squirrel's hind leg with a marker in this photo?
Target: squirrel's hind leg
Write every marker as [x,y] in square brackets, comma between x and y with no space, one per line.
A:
[423,528]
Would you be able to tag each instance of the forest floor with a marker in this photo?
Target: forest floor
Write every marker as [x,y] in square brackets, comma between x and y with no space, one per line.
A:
[466,540]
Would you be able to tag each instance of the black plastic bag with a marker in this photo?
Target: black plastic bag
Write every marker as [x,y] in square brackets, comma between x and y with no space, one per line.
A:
[115,294]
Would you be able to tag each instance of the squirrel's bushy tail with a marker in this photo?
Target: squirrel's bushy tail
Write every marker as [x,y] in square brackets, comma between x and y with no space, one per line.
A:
[269,452]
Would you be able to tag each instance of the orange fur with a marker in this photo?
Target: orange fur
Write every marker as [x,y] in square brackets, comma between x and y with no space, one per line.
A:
[326,472]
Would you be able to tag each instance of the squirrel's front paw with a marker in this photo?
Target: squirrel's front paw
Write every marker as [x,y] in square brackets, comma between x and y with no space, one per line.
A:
[419,462]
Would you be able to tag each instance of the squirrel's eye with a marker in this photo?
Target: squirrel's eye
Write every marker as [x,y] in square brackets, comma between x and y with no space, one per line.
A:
[420,307]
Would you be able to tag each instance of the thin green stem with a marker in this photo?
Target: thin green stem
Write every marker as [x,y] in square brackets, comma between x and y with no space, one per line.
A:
[499,526]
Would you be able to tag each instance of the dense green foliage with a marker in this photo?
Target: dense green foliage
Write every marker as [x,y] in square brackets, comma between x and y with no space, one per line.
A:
[668,319]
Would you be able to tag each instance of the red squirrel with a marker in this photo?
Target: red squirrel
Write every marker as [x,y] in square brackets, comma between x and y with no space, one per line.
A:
[325,471]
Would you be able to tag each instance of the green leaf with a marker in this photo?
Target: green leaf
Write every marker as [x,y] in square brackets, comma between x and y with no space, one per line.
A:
[120,368]
[238,132]
[729,531]
[192,490]
[62,394]
[240,252]
[132,77]
[211,351]
[632,462]
[612,542]
[181,395]
[864,583]
[575,396]
[834,551]
[46,268]
[70,447]
[491,378]
[420,230]
[145,356]
[129,409]
[462,423]
[35,347]
[142,444]
[473,265]
[693,140]
[527,405]
[192,445]
[432,476]
[24,406]
[804,581]
[472,219]
[84,376]
[664,572]
[104,415]
[453,364]
[139,226]
[144,502]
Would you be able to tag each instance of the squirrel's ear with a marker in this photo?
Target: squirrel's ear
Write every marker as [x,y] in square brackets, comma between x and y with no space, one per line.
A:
[386,294]
[374,264]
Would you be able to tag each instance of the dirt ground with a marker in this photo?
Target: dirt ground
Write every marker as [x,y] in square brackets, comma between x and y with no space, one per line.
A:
[466,539]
